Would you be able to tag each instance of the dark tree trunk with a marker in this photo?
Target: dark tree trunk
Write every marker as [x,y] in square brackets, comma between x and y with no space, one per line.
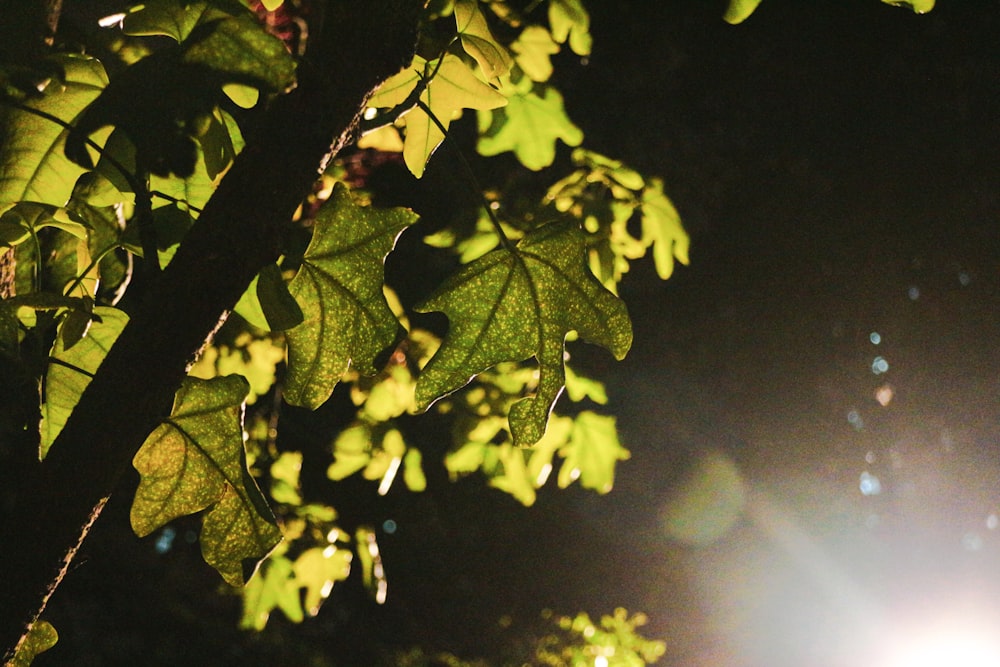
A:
[362,43]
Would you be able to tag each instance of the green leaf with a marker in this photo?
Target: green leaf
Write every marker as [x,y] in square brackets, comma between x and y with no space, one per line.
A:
[33,166]
[478,41]
[413,472]
[267,304]
[274,587]
[240,48]
[534,48]
[25,219]
[346,319]
[514,479]
[569,20]
[918,6]
[220,143]
[529,125]
[196,461]
[591,453]
[70,371]
[98,204]
[739,10]
[661,228]
[193,190]
[41,638]
[579,387]
[466,459]
[453,88]
[317,570]
[511,305]
[177,19]
[351,451]
[285,478]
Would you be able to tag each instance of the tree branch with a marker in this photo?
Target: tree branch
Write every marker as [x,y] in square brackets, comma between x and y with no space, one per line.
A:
[236,235]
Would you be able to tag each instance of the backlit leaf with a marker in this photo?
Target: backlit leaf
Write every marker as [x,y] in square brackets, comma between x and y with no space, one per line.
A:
[196,461]
[453,88]
[570,21]
[661,228]
[591,453]
[72,369]
[177,18]
[739,10]
[351,451]
[41,638]
[33,166]
[413,472]
[511,305]
[531,123]
[239,47]
[346,319]
[317,570]
[274,587]
[918,6]
[533,47]
[478,41]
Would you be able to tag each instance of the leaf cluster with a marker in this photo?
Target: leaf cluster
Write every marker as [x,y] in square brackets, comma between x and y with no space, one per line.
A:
[101,174]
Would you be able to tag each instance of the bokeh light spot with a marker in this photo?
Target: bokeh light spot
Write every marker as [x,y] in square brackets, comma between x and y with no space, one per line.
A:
[884,394]
[706,503]
[879,365]
[870,484]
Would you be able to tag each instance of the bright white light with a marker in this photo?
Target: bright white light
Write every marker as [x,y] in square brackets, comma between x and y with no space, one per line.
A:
[390,474]
[111,20]
[947,647]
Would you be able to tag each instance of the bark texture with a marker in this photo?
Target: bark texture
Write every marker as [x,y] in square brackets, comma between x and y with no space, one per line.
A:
[361,44]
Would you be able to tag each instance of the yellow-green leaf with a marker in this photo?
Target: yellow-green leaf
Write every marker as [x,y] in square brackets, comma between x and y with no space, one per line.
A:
[195,461]
[739,10]
[918,6]
[72,369]
[317,570]
[478,41]
[413,472]
[661,228]
[579,387]
[351,451]
[514,479]
[33,165]
[531,123]
[534,48]
[591,453]
[274,587]
[239,47]
[41,638]
[569,20]
[514,304]
[453,88]
[346,319]
[177,18]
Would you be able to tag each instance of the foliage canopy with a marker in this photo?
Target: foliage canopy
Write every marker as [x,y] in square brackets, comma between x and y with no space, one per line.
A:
[107,166]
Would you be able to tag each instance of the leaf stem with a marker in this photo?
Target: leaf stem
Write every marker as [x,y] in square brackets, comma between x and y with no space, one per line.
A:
[72,367]
[173,200]
[94,261]
[473,181]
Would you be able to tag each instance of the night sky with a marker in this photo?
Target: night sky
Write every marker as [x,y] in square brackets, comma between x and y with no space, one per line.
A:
[838,166]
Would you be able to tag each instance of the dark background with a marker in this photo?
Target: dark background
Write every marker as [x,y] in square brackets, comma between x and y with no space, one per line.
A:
[837,166]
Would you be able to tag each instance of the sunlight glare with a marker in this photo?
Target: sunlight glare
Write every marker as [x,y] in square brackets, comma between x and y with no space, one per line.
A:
[952,646]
